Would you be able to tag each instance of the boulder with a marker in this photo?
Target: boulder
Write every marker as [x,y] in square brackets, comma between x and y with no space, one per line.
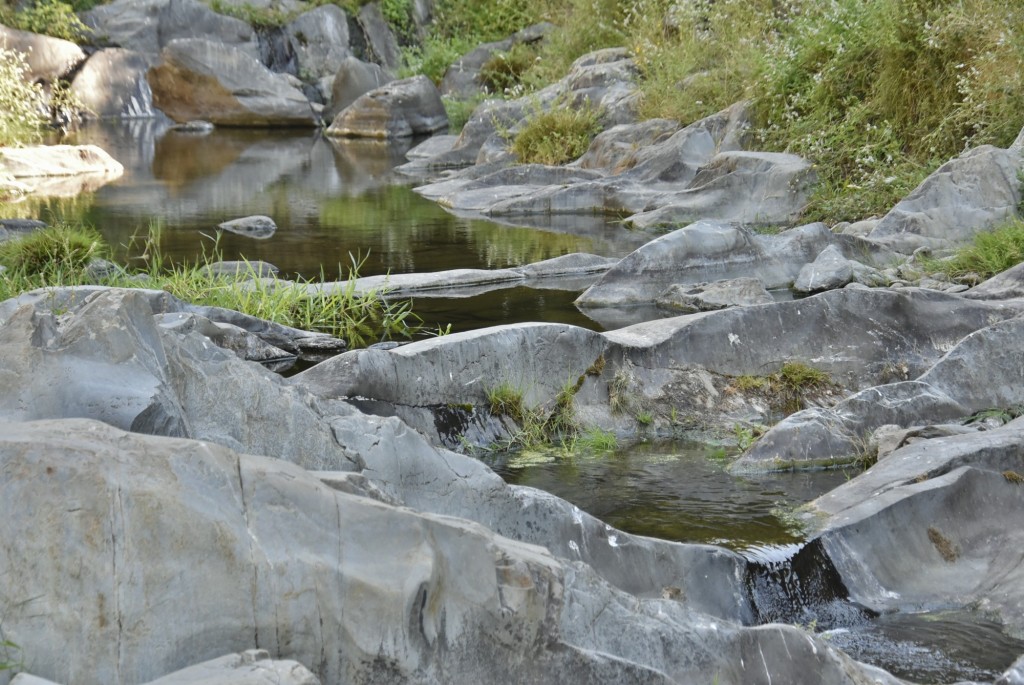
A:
[112,85]
[829,270]
[148,26]
[932,525]
[397,110]
[48,58]
[352,79]
[258,227]
[381,44]
[60,170]
[199,79]
[983,370]
[976,191]
[319,39]
[251,667]
[706,297]
[1003,286]
[615,149]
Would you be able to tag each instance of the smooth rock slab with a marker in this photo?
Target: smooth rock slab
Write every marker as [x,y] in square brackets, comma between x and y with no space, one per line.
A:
[397,110]
[705,297]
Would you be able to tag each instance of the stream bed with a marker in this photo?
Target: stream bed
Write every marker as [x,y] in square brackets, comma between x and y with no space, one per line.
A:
[335,201]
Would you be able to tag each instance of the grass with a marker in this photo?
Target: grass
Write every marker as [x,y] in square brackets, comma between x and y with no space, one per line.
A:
[557,135]
[506,399]
[59,256]
[503,73]
[788,388]
[990,253]
[459,111]
[538,426]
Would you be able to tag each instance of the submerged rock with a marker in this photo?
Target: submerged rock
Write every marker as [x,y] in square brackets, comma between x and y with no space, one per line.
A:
[258,227]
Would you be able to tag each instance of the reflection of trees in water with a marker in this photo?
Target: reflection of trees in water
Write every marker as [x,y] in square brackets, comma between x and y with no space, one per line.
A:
[408,228]
[49,209]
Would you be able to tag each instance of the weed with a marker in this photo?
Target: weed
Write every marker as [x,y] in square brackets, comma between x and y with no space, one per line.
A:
[258,17]
[1013,477]
[21,102]
[556,135]
[504,71]
[506,399]
[53,250]
[459,111]
[48,17]
[597,368]
[744,436]
[597,440]
[786,389]
[11,658]
[644,418]
[1002,415]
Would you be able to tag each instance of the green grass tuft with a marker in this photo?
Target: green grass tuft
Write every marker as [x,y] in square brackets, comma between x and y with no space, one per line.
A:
[557,135]
[990,253]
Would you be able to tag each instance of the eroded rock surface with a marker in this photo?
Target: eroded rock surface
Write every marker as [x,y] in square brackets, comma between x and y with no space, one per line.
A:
[399,109]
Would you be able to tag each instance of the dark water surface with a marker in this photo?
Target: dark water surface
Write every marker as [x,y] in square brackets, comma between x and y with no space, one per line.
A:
[333,199]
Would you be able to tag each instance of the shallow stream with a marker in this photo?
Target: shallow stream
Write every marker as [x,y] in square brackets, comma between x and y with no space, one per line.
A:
[334,199]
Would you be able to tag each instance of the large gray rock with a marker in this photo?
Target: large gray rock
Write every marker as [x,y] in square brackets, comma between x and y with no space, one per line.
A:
[107,359]
[983,370]
[381,44]
[47,58]
[973,192]
[222,550]
[707,251]
[112,84]
[353,79]
[319,39]
[200,79]
[399,109]
[149,26]
[933,524]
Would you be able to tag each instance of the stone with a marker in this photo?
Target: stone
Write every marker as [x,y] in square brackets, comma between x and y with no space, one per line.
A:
[381,44]
[615,149]
[59,170]
[703,252]
[48,58]
[319,39]
[983,370]
[705,297]
[251,667]
[353,79]
[399,109]
[829,270]
[432,146]
[258,227]
[973,192]
[226,336]
[149,26]
[1002,286]
[112,85]
[199,79]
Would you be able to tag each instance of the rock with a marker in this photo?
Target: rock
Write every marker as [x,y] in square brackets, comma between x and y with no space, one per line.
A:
[397,110]
[705,297]
[199,79]
[319,39]
[615,149]
[829,270]
[707,251]
[149,26]
[196,126]
[251,667]
[22,225]
[60,170]
[983,370]
[860,229]
[762,188]
[931,525]
[432,146]
[1014,675]
[973,192]
[48,58]
[118,366]
[244,269]
[381,44]
[112,84]
[226,336]
[1003,286]
[258,227]
[354,78]
[356,588]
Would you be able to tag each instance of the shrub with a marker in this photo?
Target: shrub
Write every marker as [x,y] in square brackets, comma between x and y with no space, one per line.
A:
[21,103]
[504,71]
[557,135]
[48,17]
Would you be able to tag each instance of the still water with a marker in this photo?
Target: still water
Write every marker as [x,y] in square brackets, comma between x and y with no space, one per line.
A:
[338,200]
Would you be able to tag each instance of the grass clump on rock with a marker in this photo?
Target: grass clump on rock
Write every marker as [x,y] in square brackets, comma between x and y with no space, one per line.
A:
[557,135]
[789,388]
[990,253]
[53,252]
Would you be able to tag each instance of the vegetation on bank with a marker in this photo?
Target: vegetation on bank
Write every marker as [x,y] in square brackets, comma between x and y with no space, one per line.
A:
[65,255]
[21,103]
[990,253]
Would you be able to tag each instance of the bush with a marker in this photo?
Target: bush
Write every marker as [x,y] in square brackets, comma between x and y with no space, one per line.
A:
[504,71]
[48,17]
[21,104]
[557,135]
